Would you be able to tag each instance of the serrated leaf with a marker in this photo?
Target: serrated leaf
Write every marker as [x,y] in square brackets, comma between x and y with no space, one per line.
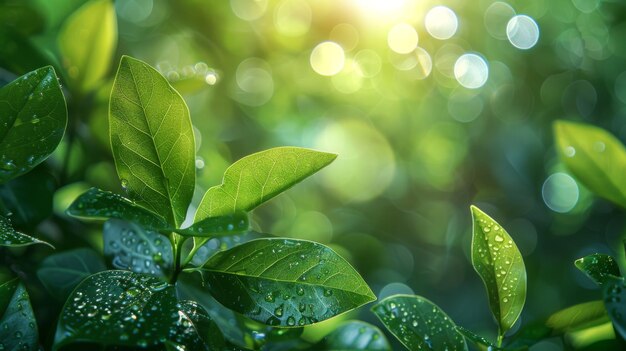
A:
[418,323]
[100,204]
[354,335]
[499,264]
[152,140]
[61,273]
[19,328]
[614,294]
[577,317]
[130,247]
[32,121]
[28,198]
[259,177]
[598,267]
[595,157]
[13,238]
[87,42]
[226,225]
[124,308]
[284,282]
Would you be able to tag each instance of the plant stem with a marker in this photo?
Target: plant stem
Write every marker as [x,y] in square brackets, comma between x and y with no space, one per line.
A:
[500,338]
[193,251]
[177,245]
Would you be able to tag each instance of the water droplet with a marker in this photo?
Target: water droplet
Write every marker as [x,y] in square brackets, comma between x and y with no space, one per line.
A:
[498,238]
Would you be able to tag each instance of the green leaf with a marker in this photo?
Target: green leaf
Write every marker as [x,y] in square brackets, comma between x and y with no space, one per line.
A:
[577,317]
[13,238]
[29,198]
[480,342]
[598,267]
[355,335]
[499,264]
[152,140]
[418,323]
[129,246]
[595,157]
[284,282]
[226,225]
[259,177]
[614,293]
[125,309]
[19,328]
[214,245]
[100,204]
[33,118]
[87,42]
[60,273]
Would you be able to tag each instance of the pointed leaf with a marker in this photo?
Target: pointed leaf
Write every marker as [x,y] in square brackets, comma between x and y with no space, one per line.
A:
[577,317]
[32,121]
[595,157]
[479,341]
[100,204]
[129,246]
[614,293]
[418,323]
[11,237]
[19,328]
[355,335]
[152,140]
[259,177]
[284,282]
[598,267]
[499,264]
[87,42]
[61,273]
[226,225]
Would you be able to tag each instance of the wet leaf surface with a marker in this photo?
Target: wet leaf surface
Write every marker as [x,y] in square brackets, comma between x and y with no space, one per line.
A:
[230,224]
[354,335]
[598,267]
[11,237]
[614,294]
[18,328]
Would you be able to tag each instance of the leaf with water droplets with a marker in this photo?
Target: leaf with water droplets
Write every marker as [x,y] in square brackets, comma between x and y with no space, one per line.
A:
[32,121]
[100,204]
[595,157]
[28,198]
[480,342]
[614,293]
[129,246]
[18,328]
[354,335]
[418,323]
[284,282]
[124,308]
[598,267]
[60,273]
[214,245]
[11,237]
[229,224]
[499,264]
[152,140]
[87,42]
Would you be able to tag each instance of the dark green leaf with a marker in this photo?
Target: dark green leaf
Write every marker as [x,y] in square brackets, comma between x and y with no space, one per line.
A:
[419,324]
[152,140]
[499,264]
[595,157]
[60,273]
[598,267]
[18,54]
[479,341]
[614,293]
[214,245]
[29,198]
[87,42]
[354,335]
[13,238]
[100,204]
[19,328]
[130,247]
[577,317]
[32,121]
[285,282]
[20,16]
[231,224]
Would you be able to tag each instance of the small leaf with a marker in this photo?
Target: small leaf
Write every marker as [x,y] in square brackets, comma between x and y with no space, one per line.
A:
[259,177]
[479,341]
[130,247]
[577,317]
[60,273]
[614,293]
[19,328]
[418,323]
[152,140]
[284,282]
[87,42]
[226,225]
[499,264]
[598,267]
[100,204]
[28,198]
[32,121]
[355,335]
[11,237]
[595,157]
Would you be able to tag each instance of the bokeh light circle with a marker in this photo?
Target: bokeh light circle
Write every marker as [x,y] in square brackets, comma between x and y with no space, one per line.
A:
[471,71]
[327,58]
[560,192]
[522,32]
[369,62]
[248,10]
[292,18]
[402,38]
[441,22]
[497,17]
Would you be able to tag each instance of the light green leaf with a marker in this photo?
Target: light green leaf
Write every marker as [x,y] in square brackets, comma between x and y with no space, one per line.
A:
[129,246]
[152,140]
[614,294]
[499,264]
[595,157]
[418,323]
[19,328]
[577,317]
[87,42]
[259,177]
[60,273]
[11,237]
[284,282]
[32,121]
[354,335]
[598,267]
[100,204]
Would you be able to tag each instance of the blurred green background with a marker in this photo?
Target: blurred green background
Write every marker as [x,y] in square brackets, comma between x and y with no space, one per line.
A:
[431,106]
